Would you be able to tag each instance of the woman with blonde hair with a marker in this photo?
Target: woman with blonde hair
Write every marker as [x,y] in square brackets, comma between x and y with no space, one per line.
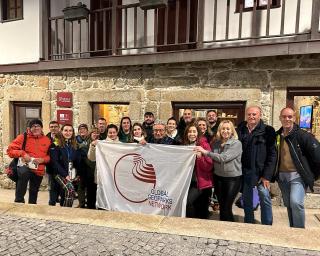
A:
[226,153]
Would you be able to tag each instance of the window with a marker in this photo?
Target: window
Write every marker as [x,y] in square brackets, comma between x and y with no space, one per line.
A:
[11,10]
[112,112]
[261,4]
[234,111]
[23,113]
[183,43]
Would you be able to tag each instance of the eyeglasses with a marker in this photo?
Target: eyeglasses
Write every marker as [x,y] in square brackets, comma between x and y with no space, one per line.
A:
[36,126]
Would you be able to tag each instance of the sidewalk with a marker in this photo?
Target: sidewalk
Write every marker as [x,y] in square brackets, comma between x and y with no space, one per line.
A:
[277,235]
[280,218]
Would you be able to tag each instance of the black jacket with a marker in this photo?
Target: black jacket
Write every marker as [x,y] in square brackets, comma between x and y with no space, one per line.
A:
[60,162]
[305,153]
[263,154]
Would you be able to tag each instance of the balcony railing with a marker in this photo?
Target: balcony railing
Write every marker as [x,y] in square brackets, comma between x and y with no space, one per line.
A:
[183,25]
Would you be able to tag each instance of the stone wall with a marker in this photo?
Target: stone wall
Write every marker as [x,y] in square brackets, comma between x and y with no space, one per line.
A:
[258,81]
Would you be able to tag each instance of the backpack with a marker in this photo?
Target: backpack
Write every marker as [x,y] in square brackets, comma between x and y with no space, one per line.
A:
[12,169]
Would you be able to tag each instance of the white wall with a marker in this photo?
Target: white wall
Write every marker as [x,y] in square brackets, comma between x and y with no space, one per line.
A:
[20,40]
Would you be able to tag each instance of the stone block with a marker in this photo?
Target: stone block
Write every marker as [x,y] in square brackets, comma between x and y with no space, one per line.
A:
[58,86]
[297,78]
[153,95]
[1,94]
[279,62]
[152,107]
[135,112]
[169,71]
[237,78]
[171,82]
[43,82]
[279,102]
[165,110]
[110,96]
[2,81]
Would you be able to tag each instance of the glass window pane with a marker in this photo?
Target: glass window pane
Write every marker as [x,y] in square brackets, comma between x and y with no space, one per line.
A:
[248,3]
[263,2]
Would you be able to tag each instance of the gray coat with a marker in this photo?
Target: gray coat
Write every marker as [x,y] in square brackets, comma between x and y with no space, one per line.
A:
[227,160]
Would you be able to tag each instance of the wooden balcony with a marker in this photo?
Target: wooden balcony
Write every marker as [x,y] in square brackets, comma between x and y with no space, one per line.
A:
[184,31]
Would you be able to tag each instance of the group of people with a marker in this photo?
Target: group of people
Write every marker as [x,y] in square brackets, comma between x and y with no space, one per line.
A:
[228,159]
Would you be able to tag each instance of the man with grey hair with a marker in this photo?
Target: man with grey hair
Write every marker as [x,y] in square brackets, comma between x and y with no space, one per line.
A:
[258,162]
[298,165]
[159,134]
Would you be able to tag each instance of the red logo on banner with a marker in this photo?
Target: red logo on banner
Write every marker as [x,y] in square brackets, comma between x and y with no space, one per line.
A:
[132,171]
[64,99]
[64,116]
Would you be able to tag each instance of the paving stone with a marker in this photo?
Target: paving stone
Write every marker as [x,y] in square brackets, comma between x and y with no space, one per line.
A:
[26,236]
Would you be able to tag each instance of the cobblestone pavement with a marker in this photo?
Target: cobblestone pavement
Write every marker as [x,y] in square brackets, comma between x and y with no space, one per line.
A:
[26,236]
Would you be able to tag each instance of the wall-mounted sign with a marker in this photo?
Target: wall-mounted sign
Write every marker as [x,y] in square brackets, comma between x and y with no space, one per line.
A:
[64,99]
[64,116]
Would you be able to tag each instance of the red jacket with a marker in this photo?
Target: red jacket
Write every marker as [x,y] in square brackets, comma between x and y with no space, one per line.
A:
[204,166]
[36,146]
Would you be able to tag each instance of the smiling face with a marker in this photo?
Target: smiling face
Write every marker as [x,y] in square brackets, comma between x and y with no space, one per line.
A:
[83,132]
[36,129]
[226,131]
[159,131]
[202,126]
[67,132]
[192,134]
[54,128]
[112,133]
[287,118]
[212,117]
[171,126]
[187,115]
[137,131]
[102,124]
[253,115]
[125,124]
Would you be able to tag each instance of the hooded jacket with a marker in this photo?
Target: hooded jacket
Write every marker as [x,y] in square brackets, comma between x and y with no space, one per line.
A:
[36,146]
[305,153]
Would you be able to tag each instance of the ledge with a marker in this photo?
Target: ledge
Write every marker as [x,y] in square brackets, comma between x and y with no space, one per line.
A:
[207,54]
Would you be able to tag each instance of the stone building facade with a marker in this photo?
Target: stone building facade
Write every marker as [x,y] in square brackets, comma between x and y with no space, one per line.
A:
[257,81]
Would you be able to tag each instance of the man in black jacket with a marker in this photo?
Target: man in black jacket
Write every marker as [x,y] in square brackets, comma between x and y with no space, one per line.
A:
[258,162]
[298,160]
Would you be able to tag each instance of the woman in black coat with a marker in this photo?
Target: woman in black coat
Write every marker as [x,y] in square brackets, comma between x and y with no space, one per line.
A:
[65,160]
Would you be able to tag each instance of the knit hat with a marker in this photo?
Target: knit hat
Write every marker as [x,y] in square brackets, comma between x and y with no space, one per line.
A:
[83,126]
[35,121]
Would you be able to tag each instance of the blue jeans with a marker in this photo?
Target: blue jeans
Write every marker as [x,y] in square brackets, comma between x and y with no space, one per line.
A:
[265,201]
[293,194]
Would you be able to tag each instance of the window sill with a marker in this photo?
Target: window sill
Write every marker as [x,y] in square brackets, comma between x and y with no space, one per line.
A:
[5,21]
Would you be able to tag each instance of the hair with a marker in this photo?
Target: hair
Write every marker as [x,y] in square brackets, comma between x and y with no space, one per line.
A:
[172,119]
[53,122]
[159,122]
[110,126]
[144,134]
[62,140]
[257,107]
[233,130]
[202,119]
[102,119]
[93,129]
[294,112]
[211,110]
[148,114]
[185,140]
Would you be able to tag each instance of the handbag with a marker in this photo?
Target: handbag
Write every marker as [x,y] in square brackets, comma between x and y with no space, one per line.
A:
[12,169]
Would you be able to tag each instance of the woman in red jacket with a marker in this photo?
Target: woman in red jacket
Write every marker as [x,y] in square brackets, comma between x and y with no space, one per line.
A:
[32,161]
[201,181]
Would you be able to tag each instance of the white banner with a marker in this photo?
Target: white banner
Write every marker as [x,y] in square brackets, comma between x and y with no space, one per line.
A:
[151,179]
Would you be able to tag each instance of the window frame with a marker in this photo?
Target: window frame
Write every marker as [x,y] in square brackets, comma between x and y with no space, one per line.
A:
[23,104]
[274,4]
[5,12]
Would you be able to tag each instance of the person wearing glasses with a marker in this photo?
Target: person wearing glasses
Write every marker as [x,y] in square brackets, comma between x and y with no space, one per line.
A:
[159,134]
[33,159]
